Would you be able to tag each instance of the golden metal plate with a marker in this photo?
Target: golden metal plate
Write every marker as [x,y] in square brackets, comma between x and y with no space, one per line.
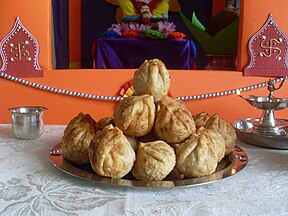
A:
[229,166]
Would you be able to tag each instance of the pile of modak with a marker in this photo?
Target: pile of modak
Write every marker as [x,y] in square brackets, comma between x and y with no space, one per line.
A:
[150,134]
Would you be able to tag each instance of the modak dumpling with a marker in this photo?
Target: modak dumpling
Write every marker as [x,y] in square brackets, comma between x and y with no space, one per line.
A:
[133,142]
[152,78]
[225,129]
[135,115]
[77,137]
[216,139]
[110,153]
[196,156]
[104,122]
[154,161]
[173,121]
[200,119]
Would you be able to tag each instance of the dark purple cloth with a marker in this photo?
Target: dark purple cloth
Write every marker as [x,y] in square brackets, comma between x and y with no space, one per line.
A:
[131,53]
[61,32]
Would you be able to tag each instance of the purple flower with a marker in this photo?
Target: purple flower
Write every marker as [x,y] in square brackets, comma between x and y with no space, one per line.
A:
[138,27]
[166,27]
[119,28]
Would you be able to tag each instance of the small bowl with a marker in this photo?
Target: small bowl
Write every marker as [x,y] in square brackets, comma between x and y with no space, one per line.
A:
[27,122]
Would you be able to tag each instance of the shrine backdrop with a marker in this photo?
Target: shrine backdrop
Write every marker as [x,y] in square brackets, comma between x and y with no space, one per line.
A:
[88,19]
[97,17]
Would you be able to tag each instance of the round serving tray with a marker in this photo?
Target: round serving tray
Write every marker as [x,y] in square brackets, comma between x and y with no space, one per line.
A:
[245,133]
[230,165]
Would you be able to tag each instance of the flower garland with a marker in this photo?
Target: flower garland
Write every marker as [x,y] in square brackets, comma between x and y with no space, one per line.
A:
[140,4]
[158,30]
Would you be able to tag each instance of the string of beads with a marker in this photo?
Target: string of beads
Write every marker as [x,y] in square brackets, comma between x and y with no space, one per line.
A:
[117,98]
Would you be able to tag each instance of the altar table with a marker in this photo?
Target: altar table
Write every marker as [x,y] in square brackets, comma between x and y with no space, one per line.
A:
[113,53]
[31,185]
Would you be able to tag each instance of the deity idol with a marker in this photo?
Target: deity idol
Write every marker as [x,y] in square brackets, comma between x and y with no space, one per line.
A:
[145,8]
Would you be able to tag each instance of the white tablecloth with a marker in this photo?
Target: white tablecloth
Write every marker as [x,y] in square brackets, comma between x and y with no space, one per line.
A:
[31,185]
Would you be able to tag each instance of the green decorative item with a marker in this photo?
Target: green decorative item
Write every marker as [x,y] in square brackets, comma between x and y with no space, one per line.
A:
[153,34]
[224,42]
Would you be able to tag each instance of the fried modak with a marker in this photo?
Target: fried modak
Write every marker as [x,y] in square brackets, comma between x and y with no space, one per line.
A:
[77,137]
[154,161]
[110,153]
[135,115]
[216,139]
[196,157]
[225,129]
[133,142]
[173,121]
[152,78]
[200,119]
[104,122]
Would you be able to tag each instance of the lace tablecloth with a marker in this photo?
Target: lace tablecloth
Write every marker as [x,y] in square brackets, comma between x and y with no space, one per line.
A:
[31,185]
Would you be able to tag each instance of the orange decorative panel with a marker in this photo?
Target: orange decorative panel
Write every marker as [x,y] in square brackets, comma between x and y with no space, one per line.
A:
[36,17]
[62,108]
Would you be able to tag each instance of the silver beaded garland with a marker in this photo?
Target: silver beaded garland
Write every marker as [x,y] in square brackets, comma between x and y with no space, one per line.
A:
[113,98]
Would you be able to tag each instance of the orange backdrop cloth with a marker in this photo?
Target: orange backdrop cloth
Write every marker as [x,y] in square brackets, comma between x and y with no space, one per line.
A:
[62,108]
